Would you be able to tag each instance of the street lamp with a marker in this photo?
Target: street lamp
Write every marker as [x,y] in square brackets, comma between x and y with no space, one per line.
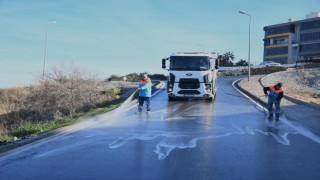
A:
[242,12]
[45,48]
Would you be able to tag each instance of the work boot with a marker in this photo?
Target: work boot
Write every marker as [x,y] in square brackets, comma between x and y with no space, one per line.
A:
[148,108]
[277,118]
[270,117]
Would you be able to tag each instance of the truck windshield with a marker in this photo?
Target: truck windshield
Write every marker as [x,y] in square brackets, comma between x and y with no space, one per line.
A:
[195,63]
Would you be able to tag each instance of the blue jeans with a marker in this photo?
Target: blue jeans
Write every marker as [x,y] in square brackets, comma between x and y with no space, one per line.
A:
[270,108]
[141,102]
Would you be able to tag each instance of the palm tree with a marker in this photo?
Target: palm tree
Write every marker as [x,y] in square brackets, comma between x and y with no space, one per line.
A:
[220,60]
[228,57]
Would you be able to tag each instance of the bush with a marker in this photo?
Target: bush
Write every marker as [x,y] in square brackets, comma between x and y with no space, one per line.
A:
[62,93]
[266,70]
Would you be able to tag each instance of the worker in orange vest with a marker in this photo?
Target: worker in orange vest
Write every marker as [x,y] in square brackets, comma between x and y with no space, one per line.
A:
[145,92]
[274,97]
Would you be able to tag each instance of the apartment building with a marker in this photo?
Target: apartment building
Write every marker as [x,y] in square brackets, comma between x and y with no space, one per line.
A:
[288,42]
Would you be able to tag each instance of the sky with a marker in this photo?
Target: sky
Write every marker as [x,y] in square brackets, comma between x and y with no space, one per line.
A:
[130,36]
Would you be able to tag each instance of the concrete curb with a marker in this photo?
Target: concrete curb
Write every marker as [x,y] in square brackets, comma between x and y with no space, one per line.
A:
[298,101]
[255,98]
[22,142]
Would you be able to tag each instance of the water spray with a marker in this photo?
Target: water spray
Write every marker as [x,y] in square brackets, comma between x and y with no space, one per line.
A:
[124,105]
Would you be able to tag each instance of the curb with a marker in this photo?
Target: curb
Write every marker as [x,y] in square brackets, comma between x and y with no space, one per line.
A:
[298,101]
[255,98]
[16,144]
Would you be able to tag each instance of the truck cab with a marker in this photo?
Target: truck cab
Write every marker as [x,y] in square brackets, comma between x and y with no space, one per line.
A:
[191,74]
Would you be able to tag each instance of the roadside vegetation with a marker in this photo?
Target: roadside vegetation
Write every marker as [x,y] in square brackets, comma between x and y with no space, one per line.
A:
[227,59]
[59,99]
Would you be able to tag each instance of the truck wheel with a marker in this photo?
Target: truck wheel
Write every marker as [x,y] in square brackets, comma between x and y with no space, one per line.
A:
[214,94]
[212,98]
[209,99]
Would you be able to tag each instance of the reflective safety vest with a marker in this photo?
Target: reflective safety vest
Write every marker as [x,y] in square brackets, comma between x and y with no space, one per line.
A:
[145,88]
[274,93]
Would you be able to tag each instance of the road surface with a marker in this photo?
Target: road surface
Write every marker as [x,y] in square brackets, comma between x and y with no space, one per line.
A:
[229,138]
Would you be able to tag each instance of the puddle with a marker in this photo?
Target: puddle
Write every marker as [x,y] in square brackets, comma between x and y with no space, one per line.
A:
[168,141]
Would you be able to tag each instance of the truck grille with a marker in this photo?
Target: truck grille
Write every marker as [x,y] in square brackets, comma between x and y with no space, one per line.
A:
[189,92]
[189,83]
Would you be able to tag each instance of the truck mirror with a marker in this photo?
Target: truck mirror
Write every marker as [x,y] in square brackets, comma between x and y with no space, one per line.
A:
[163,63]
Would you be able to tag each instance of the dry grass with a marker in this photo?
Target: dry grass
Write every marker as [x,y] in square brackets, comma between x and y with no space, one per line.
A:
[63,93]
[301,84]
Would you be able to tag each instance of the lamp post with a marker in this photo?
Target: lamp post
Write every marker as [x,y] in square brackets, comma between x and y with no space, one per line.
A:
[45,48]
[242,12]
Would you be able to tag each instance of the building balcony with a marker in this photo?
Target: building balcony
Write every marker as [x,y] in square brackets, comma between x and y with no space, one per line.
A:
[276,45]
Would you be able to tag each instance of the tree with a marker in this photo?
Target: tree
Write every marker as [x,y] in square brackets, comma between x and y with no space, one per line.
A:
[132,77]
[65,91]
[114,77]
[220,60]
[242,62]
[226,59]
[158,77]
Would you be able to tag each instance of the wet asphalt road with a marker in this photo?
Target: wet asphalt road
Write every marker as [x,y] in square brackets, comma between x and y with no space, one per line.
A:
[226,139]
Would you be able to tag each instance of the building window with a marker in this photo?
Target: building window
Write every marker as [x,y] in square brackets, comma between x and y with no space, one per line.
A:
[276,51]
[310,36]
[280,29]
[310,47]
[310,25]
[280,41]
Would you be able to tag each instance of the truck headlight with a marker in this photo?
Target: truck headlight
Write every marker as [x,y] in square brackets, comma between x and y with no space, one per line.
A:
[172,78]
[208,86]
[170,89]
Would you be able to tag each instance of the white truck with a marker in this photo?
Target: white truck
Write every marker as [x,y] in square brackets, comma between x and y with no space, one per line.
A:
[191,74]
